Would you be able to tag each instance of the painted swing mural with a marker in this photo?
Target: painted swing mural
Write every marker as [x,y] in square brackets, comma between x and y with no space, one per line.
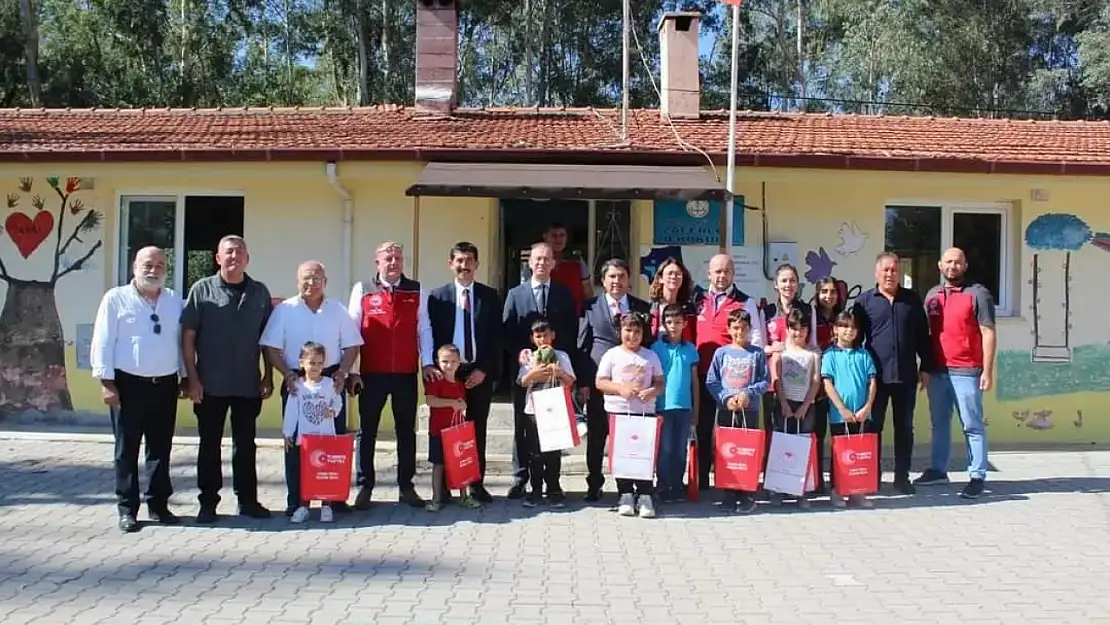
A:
[51,230]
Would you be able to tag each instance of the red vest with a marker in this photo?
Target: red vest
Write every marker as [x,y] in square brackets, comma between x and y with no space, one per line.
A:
[389,328]
[954,327]
[569,274]
[712,328]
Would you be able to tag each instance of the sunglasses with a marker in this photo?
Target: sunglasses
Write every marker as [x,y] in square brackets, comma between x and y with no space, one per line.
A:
[157,325]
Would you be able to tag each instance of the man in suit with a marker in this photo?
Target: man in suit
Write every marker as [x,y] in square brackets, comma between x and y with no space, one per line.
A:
[524,303]
[465,313]
[599,333]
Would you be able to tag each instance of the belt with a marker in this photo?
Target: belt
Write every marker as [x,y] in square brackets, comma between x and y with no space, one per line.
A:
[149,379]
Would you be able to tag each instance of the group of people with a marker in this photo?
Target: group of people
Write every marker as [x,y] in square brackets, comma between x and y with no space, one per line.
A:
[697,357]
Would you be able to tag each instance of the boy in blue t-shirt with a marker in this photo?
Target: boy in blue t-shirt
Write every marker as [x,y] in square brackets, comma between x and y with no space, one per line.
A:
[678,404]
[849,375]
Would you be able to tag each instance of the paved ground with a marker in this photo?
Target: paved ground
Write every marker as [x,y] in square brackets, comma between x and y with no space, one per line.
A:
[1036,551]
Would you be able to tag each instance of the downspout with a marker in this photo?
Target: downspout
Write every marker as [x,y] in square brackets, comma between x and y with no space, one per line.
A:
[348,224]
[347,240]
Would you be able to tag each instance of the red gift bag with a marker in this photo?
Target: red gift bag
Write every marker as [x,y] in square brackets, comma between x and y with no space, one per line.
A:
[813,471]
[326,466]
[856,463]
[460,455]
[692,491]
[737,458]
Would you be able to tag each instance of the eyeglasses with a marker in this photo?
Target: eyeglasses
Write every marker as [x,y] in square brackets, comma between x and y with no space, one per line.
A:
[157,326]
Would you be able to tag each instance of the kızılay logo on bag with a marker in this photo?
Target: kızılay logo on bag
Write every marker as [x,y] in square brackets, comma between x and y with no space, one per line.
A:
[321,458]
[850,457]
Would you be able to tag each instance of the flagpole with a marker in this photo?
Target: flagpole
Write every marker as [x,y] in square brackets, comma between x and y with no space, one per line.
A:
[730,176]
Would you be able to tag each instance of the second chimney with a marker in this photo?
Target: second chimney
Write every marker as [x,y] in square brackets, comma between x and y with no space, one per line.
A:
[678,50]
[437,55]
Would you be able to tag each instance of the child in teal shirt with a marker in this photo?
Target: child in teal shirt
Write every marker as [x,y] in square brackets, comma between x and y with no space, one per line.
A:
[678,403]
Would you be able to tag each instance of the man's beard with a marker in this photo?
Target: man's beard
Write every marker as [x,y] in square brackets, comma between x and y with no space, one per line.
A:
[151,282]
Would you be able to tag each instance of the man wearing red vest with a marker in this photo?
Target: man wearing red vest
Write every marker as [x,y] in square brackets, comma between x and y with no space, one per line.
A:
[713,307]
[392,315]
[569,272]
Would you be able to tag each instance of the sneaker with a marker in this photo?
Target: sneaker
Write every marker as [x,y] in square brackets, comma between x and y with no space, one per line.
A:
[627,505]
[254,510]
[973,489]
[931,477]
[529,500]
[837,500]
[327,515]
[557,500]
[745,504]
[411,498]
[903,485]
[861,501]
[289,510]
[647,507]
[593,495]
[517,490]
[469,502]
[300,516]
[433,506]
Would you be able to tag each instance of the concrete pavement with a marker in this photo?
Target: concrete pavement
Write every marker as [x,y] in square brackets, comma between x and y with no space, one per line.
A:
[1036,550]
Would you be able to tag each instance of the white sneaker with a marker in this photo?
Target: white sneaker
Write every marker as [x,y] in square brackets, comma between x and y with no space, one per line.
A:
[647,507]
[326,515]
[627,505]
[300,516]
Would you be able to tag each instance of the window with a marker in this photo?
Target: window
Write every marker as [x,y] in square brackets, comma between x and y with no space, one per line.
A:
[920,234]
[188,228]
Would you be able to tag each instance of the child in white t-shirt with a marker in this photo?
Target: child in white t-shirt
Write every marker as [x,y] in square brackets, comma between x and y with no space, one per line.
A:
[631,377]
[797,382]
[310,410]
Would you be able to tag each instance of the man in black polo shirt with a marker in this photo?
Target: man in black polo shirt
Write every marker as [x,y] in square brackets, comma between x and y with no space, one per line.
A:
[221,327]
[896,333]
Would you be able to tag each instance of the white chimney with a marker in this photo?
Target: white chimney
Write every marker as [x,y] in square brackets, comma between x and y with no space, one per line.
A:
[678,51]
[437,55]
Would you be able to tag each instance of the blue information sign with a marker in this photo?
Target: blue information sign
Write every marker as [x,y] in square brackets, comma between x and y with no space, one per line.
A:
[695,223]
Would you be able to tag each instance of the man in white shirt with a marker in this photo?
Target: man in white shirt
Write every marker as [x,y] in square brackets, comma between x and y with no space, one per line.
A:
[392,316]
[136,355]
[310,317]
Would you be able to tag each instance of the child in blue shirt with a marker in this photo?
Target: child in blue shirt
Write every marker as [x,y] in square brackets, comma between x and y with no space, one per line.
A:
[849,375]
[678,404]
[738,378]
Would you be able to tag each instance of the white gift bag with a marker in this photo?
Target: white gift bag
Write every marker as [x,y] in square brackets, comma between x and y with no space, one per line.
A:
[788,463]
[633,446]
[556,420]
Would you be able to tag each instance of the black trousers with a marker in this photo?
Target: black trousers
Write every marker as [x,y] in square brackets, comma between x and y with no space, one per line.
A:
[478,400]
[523,469]
[212,414]
[400,389]
[543,467]
[707,417]
[293,455]
[902,400]
[597,436]
[821,430]
[147,410]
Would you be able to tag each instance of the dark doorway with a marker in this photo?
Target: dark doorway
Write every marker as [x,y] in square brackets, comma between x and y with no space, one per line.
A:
[208,218]
[524,222]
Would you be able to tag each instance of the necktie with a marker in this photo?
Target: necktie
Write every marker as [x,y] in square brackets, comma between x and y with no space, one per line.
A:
[468,333]
[541,299]
[615,309]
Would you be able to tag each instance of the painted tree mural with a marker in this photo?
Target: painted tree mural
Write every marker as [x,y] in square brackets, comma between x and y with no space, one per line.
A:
[50,218]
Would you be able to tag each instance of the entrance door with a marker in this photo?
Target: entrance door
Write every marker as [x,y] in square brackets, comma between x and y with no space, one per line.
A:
[523,223]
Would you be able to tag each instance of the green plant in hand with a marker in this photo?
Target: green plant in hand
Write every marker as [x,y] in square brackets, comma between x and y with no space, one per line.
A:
[545,355]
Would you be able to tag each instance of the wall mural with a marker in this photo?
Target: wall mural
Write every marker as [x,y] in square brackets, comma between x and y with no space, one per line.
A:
[1054,365]
[852,239]
[55,233]
[819,266]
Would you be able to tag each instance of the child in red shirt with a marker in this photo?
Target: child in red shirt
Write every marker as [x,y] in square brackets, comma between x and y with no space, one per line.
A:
[446,401]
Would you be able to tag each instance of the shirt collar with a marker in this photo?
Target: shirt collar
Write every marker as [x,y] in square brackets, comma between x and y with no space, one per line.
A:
[537,284]
[459,287]
[622,302]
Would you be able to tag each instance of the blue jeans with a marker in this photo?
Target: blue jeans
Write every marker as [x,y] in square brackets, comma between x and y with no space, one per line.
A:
[673,443]
[948,391]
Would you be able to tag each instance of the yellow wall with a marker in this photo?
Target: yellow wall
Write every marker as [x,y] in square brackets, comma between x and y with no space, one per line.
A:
[292,214]
[1034,402]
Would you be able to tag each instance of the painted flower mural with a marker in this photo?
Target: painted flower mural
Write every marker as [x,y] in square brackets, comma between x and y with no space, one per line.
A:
[1055,233]
[32,344]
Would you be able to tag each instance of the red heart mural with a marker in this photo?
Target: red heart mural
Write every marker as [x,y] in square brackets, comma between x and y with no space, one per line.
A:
[28,234]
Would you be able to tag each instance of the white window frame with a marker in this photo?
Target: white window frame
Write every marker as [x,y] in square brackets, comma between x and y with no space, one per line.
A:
[123,199]
[1005,305]
[123,207]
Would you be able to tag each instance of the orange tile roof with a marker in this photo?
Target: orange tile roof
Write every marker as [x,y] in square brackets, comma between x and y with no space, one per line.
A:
[556,135]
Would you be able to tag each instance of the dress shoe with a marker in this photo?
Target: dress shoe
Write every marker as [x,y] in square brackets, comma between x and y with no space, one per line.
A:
[593,495]
[479,493]
[517,490]
[207,515]
[364,499]
[410,497]
[162,516]
[254,510]
[340,507]
[128,524]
